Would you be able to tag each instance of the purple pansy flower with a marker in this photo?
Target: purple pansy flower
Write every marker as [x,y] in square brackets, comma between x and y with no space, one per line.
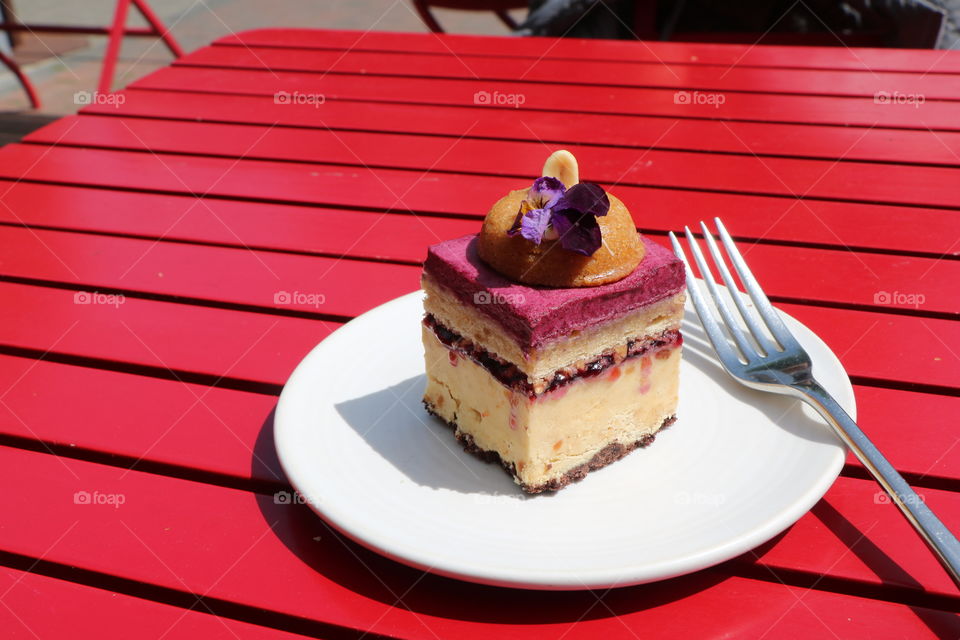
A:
[534,216]
[534,223]
[546,191]
[570,214]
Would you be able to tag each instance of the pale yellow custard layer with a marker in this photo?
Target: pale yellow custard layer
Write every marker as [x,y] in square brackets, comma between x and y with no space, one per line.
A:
[546,436]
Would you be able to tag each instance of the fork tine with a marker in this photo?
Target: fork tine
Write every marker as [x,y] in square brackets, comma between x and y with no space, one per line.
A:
[707,319]
[760,301]
[765,344]
[733,327]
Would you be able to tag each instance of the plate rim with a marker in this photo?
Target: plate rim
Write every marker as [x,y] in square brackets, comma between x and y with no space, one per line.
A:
[622,576]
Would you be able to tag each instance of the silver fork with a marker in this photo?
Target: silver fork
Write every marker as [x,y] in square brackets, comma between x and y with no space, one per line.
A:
[782,366]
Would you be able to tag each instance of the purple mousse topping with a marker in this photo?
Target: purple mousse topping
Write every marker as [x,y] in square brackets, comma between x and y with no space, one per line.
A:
[536,315]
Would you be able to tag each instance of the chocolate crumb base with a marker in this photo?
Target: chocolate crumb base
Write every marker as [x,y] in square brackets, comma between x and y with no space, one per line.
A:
[610,453]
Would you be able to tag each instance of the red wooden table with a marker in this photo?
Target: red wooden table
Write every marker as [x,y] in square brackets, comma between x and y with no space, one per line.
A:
[143,342]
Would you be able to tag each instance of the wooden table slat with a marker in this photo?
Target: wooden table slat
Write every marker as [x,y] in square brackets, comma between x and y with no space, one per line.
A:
[39,606]
[271,280]
[872,144]
[787,177]
[874,227]
[847,111]
[237,223]
[258,348]
[607,73]
[747,173]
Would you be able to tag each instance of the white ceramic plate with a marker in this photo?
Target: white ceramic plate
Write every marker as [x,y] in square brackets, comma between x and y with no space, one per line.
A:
[737,468]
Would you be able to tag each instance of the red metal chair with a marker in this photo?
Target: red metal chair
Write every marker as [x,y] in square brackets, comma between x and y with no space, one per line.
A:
[499,7]
[116,32]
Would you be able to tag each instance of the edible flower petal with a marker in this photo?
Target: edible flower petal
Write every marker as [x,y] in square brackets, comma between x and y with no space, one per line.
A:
[545,192]
[586,197]
[534,224]
[579,232]
[551,211]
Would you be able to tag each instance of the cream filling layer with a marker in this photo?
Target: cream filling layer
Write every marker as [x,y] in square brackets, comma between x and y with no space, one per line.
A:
[570,351]
[546,436]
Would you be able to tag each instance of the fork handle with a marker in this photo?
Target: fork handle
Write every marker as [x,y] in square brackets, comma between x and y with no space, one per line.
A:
[943,543]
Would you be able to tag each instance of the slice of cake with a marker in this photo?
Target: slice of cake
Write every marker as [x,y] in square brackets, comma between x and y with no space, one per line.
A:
[552,338]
